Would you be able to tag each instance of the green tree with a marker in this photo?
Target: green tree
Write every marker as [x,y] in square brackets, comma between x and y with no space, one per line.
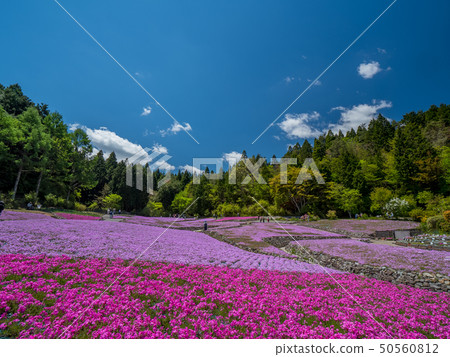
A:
[348,200]
[167,193]
[13,100]
[112,201]
[181,201]
[81,175]
[379,197]
[32,150]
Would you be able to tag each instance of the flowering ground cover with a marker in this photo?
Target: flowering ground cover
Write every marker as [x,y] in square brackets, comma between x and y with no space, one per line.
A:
[43,297]
[108,239]
[362,226]
[433,240]
[252,234]
[189,223]
[21,215]
[382,255]
[77,216]
[236,219]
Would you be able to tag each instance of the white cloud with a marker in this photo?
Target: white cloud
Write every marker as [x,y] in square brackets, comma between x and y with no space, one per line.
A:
[276,137]
[316,83]
[369,70]
[146,111]
[108,141]
[145,133]
[163,165]
[289,79]
[160,149]
[232,157]
[191,169]
[73,127]
[357,115]
[296,125]
[382,51]
[175,128]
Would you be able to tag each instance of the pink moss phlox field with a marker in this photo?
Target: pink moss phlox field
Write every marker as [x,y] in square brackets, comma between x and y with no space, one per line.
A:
[235,219]
[189,223]
[365,226]
[17,215]
[396,257]
[77,216]
[258,231]
[41,296]
[109,239]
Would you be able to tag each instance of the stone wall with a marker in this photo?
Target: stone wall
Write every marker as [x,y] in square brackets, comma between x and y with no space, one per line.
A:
[426,247]
[391,233]
[282,241]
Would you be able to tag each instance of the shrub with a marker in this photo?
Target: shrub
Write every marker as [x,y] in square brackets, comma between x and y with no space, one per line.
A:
[31,197]
[93,207]
[446,215]
[444,226]
[435,222]
[424,197]
[398,207]
[69,204]
[60,202]
[153,209]
[51,200]
[331,215]
[112,201]
[7,199]
[80,207]
[275,211]
[380,196]
[228,210]
[417,214]
[410,200]
[436,205]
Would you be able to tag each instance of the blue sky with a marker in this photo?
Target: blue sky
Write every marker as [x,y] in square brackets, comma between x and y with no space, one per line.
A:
[225,69]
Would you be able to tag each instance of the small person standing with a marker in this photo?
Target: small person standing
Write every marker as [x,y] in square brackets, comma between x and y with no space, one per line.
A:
[2,207]
[205,226]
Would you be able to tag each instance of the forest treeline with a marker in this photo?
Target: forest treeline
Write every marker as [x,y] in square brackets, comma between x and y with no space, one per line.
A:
[387,167]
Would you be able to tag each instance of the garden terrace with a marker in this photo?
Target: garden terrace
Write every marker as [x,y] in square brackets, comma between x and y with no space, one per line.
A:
[254,234]
[428,241]
[361,227]
[395,257]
